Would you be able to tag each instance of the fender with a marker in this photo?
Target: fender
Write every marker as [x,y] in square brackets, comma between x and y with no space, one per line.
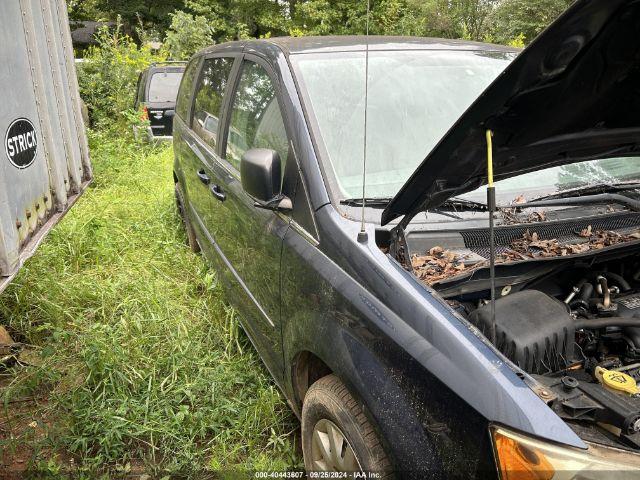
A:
[415,421]
[411,407]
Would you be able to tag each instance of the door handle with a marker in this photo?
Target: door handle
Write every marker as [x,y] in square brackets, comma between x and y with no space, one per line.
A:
[218,193]
[204,178]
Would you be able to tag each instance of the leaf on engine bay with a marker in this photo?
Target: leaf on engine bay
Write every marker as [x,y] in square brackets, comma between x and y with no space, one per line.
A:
[537,216]
[519,199]
[440,264]
[586,232]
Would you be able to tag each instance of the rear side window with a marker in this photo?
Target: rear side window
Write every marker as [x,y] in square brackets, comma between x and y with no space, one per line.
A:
[184,94]
[256,119]
[208,98]
[163,87]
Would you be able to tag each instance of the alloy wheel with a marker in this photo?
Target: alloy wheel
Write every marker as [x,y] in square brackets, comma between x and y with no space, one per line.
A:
[331,450]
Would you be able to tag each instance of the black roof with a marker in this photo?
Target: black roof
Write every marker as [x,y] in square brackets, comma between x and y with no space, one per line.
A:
[345,43]
[169,66]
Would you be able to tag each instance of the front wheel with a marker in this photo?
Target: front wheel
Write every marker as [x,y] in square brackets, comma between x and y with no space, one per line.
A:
[336,434]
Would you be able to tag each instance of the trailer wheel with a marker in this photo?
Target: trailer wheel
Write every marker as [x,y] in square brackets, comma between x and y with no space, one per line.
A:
[336,434]
[192,241]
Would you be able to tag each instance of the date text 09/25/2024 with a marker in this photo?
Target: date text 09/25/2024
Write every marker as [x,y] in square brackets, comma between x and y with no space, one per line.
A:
[320,475]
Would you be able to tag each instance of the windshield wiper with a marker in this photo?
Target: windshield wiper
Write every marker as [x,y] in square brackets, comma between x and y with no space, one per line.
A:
[457,204]
[589,195]
[591,190]
[584,200]
[373,202]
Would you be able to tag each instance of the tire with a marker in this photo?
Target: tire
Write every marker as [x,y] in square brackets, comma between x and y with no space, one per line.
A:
[192,241]
[329,404]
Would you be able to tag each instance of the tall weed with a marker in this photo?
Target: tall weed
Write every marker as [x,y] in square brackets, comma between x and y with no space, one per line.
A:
[140,361]
[108,75]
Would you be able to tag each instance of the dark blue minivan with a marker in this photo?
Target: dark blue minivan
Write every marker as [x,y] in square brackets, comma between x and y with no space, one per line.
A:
[336,184]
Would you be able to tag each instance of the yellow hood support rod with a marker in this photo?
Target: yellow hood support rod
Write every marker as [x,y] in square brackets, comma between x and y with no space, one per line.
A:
[491,204]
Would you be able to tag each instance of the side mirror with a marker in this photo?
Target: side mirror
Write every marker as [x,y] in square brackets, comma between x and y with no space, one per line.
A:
[260,173]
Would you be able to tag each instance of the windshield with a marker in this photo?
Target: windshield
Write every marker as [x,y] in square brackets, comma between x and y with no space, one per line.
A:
[609,171]
[164,86]
[414,98]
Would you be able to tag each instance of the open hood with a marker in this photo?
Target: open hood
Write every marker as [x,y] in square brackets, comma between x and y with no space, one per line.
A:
[572,95]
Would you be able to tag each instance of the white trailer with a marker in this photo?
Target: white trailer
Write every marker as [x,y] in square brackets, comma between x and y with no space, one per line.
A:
[44,156]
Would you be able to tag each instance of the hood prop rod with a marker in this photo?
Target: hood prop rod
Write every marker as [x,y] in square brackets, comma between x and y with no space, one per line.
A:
[491,204]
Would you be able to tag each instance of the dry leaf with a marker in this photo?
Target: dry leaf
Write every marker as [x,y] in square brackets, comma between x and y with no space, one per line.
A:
[440,264]
[586,232]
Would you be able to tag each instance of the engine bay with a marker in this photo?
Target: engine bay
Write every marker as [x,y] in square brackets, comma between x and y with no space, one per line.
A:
[567,309]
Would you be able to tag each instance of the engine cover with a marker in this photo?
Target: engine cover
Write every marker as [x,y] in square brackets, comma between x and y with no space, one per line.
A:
[628,307]
[533,330]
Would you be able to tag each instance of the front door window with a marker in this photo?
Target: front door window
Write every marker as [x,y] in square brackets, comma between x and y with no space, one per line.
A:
[256,120]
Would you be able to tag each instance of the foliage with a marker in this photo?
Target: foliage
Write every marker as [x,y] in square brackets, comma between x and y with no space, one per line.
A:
[81,10]
[237,19]
[472,17]
[517,42]
[485,20]
[466,19]
[469,19]
[152,12]
[187,34]
[514,17]
[109,75]
[141,361]
[325,17]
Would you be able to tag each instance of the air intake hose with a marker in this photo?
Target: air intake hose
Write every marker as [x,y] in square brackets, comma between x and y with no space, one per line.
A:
[595,323]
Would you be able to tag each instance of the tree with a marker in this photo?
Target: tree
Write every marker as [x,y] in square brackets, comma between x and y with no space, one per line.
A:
[330,17]
[187,34]
[235,19]
[149,12]
[110,72]
[472,16]
[502,21]
[82,10]
[514,17]
[440,18]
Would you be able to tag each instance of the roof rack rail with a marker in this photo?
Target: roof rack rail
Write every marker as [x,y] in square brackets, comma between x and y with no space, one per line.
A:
[168,62]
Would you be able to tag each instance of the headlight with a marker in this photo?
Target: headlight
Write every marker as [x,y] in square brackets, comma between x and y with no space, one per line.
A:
[523,458]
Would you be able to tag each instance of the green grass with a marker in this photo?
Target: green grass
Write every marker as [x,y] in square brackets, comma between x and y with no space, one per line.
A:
[139,360]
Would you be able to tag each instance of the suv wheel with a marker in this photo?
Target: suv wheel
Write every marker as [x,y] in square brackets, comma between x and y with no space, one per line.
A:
[191,234]
[336,434]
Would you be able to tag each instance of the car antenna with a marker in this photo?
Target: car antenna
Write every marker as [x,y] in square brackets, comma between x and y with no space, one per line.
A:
[491,204]
[362,234]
